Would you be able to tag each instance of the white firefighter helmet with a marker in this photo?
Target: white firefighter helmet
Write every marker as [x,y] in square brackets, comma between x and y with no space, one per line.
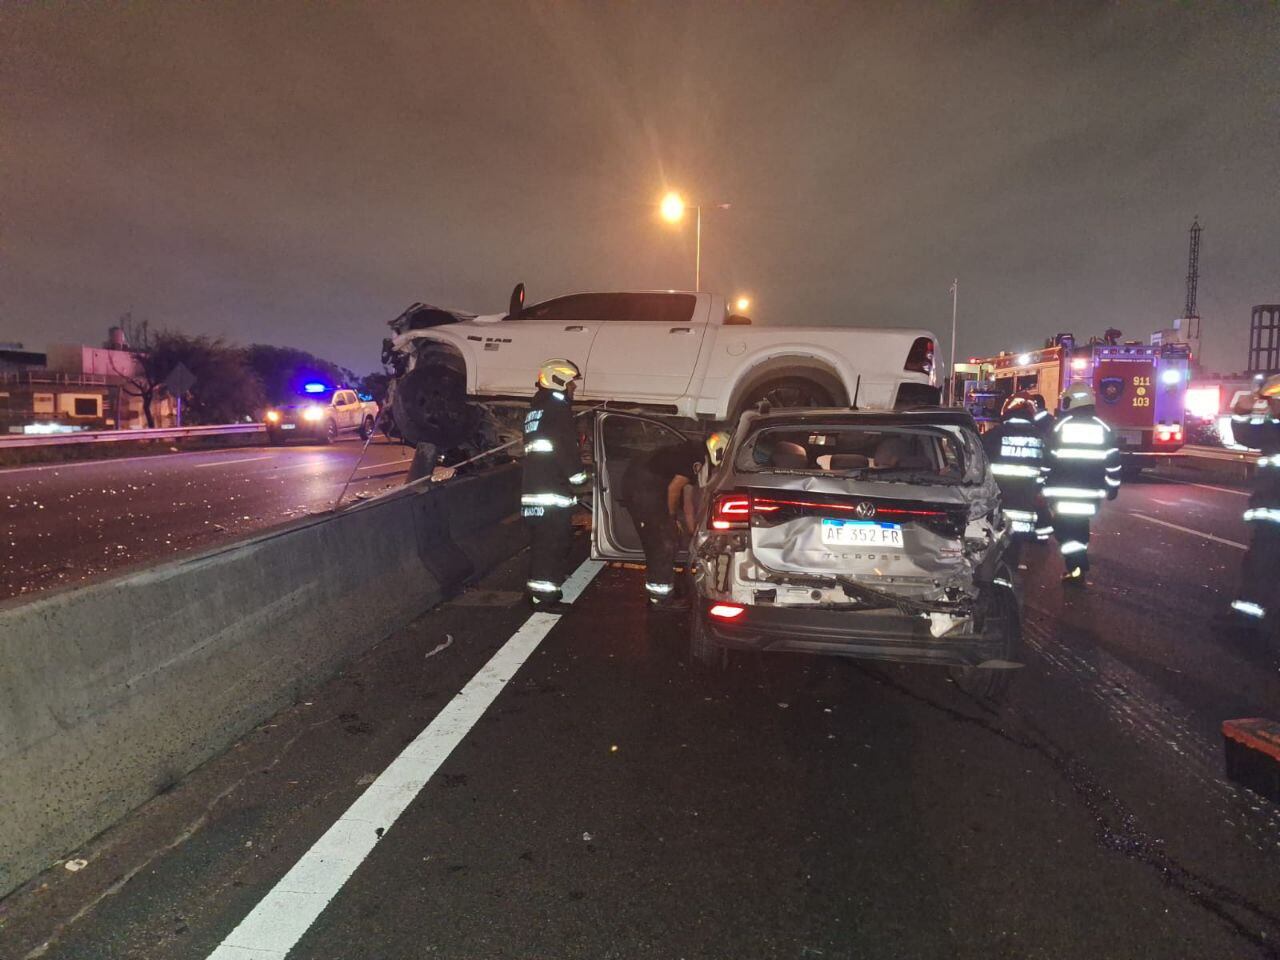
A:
[717,444]
[1077,395]
[1270,388]
[558,374]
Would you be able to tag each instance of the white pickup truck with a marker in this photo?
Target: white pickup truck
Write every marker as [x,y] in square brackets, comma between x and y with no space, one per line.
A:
[682,354]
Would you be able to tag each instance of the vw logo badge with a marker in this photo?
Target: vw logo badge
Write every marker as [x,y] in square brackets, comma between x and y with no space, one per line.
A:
[866,510]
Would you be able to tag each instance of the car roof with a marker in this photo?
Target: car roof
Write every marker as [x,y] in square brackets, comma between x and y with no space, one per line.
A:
[917,417]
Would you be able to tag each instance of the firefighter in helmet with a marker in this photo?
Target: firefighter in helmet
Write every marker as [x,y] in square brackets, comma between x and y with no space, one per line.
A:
[552,468]
[1016,449]
[1255,422]
[1083,470]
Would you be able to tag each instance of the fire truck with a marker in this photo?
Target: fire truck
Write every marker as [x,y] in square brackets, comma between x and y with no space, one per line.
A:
[1141,388]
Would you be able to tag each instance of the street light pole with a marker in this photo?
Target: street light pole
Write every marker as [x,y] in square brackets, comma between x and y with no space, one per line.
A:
[955,292]
[672,208]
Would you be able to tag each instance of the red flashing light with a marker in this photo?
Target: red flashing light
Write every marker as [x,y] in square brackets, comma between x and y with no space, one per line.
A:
[1169,433]
[727,611]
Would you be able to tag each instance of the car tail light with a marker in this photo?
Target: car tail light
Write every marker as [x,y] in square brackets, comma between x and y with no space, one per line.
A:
[1168,433]
[920,359]
[731,511]
[726,611]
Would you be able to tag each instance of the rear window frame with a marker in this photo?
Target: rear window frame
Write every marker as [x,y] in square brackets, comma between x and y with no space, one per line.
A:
[973,468]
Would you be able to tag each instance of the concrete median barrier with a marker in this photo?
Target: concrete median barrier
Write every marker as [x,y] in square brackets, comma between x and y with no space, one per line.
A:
[111,692]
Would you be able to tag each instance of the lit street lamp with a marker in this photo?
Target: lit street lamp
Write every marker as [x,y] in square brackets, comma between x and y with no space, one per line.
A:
[672,209]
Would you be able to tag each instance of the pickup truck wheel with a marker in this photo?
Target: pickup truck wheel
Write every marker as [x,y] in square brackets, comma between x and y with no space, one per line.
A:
[330,432]
[704,650]
[789,392]
[999,614]
[366,428]
[431,406]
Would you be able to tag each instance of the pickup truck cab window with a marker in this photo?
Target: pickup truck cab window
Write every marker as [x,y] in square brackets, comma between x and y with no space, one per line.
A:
[626,307]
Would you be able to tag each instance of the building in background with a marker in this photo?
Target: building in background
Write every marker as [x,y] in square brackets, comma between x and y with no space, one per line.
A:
[73,387]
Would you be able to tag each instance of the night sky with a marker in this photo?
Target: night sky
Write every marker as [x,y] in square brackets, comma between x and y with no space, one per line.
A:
[298,174]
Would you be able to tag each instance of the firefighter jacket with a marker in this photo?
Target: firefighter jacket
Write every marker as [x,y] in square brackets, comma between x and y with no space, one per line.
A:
[1016,449]
[1083,463]
[1261,431]
[552,464]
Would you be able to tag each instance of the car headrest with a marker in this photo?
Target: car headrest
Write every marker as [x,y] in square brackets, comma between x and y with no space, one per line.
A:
[848,461]
[790,456]
[891,451]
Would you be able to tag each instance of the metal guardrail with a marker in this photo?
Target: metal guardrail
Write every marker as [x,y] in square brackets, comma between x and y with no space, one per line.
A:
[118,436]
[1220,453]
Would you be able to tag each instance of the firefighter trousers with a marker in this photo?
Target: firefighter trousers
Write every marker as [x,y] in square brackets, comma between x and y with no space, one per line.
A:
[1260,571]
[1073,540]
[658,537]
[550,537]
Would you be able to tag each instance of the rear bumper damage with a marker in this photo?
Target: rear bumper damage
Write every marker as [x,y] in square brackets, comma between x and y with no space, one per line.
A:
[861,634]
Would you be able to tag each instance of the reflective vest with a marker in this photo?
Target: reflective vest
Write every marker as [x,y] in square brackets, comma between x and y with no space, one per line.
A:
[1083,463]
[552,463]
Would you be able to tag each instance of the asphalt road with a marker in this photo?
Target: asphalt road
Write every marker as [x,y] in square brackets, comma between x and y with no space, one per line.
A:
[66,523]
[614,801]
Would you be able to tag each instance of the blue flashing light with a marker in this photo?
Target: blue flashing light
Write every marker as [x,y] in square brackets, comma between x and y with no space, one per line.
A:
[314,388]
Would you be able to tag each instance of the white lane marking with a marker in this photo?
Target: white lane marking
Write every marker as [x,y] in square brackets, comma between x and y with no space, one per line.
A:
[105,461]
[278,922]
[1197,533]
[577,581]
[1168,503]
[1206,486]
[389,463]
[221,463]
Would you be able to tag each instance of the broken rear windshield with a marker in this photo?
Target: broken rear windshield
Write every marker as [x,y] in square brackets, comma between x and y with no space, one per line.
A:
[890,453]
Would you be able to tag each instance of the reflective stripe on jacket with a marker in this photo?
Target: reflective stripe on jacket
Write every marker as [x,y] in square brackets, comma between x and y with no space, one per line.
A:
[1083,460]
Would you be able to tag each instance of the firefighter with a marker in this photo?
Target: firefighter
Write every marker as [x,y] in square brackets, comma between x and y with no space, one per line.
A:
[1255,422]
[552,468]
[1083,470]
[658,490]
[1016,449]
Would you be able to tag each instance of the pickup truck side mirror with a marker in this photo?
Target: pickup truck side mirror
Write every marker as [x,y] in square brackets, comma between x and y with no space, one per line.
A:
[516,307]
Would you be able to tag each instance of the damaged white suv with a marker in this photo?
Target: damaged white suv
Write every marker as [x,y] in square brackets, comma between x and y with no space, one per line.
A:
[868,535]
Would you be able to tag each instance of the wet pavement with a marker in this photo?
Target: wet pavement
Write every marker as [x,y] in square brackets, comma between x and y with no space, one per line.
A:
[615,801]
[67,523]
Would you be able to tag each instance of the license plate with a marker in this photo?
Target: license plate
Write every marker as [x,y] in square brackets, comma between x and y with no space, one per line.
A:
[869,533]
[288,426]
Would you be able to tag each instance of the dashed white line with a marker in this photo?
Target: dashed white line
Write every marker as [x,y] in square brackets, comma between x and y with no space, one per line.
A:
[1206,486]
[1197,533]
[278,922]
[223,463]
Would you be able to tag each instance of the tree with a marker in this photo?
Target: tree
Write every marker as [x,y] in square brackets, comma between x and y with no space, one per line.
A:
[147,375]
[376,384]
[225,390]
[283,370]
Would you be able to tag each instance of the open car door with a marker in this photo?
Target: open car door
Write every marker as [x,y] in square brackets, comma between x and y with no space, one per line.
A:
[619,439]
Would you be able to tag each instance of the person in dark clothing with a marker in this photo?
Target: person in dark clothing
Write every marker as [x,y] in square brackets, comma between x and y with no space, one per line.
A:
[1016,449]
[1084,470]
[552,468]
[1255,422]
[658,489]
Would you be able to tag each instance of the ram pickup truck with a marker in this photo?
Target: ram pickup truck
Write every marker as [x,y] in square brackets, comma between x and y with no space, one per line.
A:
[682,354]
